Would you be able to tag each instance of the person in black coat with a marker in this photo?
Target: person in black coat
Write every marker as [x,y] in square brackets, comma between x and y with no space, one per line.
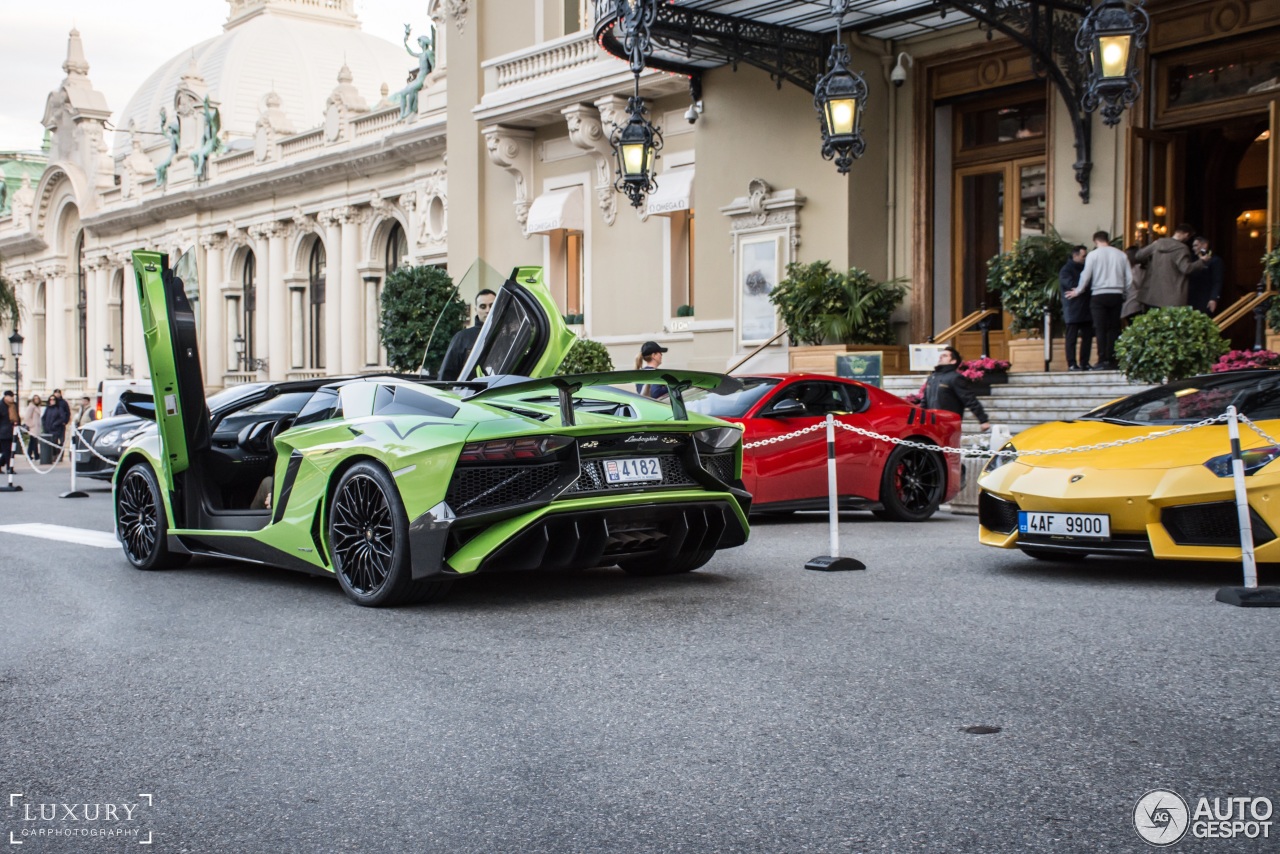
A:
[57,415]
[1204,287]
[461,344]
[1076,311]
[8,421]
[946,389]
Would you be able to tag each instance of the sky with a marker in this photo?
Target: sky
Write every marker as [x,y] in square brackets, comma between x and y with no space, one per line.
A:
[124,41]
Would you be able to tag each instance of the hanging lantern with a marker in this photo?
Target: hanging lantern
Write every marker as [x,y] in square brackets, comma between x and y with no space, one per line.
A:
[839,98]
[1108,42]
[636,145]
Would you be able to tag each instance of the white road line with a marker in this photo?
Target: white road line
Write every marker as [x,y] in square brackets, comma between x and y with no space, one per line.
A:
[64,534]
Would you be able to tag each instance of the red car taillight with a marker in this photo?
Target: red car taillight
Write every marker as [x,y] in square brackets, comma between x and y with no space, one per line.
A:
[512,449]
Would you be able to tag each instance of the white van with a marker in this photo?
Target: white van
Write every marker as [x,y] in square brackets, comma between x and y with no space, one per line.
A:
[109,395]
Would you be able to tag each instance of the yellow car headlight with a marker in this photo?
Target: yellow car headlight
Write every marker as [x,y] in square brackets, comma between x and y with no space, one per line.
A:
[1006,454]
[1254,460]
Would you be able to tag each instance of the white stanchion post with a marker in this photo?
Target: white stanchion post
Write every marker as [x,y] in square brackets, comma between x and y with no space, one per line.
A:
[71,450]
[833,562]
[1250,595]
[15,447]
[1242,502]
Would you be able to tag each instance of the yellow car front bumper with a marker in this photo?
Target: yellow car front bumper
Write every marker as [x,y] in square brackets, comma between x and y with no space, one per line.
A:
[1179,513]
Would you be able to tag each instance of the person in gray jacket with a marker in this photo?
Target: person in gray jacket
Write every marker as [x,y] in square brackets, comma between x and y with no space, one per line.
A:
[1169,262]
[1107,272]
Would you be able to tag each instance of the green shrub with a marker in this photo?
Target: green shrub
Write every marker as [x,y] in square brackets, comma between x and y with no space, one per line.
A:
[1271,269]
[412,299]
[1166,344]
[684,311]
[586,357]
[1025,280]
[817,305]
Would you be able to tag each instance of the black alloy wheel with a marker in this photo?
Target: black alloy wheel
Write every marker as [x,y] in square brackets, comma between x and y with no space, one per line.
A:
[369,540]
[912,486]
[141,523]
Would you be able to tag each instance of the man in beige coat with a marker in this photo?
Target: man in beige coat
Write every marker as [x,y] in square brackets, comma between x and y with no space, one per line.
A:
[1169,261]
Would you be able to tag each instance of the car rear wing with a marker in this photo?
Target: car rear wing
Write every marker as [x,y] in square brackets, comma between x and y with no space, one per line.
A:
[677,382]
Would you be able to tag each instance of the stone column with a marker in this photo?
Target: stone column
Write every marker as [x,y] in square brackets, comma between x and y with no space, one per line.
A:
[99,334]
[261,306]
[58,335]
[331,222]
[133,350]
[349,287]
[215,336]
[278,296]
[372,312]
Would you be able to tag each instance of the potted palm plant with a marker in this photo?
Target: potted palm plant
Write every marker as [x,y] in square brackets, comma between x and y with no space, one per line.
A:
[828,313]
[1026,281]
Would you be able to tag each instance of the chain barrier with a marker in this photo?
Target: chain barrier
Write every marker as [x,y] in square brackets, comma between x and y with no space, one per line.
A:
[88,446]
[1255,428]
[24,445]
[982,452]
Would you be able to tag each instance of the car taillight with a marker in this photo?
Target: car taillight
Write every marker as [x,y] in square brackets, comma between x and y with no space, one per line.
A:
[529,448]
[98,408]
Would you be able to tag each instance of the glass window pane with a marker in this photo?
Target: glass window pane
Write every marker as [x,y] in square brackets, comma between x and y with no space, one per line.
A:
[981,213]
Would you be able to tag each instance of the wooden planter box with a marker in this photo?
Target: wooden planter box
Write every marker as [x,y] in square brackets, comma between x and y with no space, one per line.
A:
[1273,342]
[1027,354]
[822,360]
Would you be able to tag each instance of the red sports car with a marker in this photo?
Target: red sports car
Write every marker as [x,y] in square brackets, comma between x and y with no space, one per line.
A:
[893,482]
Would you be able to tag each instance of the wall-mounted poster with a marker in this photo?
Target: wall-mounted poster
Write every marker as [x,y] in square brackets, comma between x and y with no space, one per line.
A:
[760,268]
[865,367]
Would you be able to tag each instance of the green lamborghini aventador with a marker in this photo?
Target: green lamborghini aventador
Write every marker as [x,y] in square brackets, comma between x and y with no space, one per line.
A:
[399,486]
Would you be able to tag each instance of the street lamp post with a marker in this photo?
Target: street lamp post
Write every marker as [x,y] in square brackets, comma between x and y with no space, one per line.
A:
[15,347]
[122,369]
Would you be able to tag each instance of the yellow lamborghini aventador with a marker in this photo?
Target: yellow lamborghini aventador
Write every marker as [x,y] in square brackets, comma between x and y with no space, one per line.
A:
[1171,497]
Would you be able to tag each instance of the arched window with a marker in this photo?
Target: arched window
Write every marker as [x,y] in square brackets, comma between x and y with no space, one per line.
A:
[40,363]
[397,250]
[82,310]
[316,276]
[115,313]
[248,306]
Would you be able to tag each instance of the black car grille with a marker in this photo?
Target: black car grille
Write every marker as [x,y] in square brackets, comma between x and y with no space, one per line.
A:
[477,489]
[1213,524]
[721,466]
[996,514]
[592,477]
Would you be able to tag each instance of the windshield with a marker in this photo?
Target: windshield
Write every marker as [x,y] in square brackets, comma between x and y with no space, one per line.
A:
[1256,394]
[732,405]
[222,399]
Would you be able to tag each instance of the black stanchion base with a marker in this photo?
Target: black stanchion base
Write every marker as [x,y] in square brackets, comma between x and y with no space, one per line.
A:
[74,494]
[826,563]
[12,487]
[1250,597]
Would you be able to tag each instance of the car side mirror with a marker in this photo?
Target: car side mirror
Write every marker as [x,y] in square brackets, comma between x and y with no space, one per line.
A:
[788,409]
[138,404]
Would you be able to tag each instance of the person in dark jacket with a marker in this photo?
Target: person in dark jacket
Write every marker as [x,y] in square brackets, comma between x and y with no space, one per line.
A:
[946,389]
[57,415]
[460,345]
[1169,262]
[8,421]
[1075,311]
[1204,287]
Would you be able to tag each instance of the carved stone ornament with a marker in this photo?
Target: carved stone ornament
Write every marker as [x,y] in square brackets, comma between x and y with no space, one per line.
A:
[588,132]
[302,221]
[764,207]
[380,206]
[512,149]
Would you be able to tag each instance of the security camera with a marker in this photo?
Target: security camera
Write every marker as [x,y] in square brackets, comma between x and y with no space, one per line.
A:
[899,74]
[695,110]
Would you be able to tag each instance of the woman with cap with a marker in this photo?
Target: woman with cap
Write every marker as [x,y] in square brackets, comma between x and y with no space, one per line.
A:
[651,360]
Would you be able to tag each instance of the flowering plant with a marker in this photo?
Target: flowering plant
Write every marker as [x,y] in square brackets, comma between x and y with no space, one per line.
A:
[1241,360]
[976,369]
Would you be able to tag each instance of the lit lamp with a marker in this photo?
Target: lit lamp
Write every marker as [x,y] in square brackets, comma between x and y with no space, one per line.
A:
[1159,210]
[636,145]
[1107,42]
[838,98]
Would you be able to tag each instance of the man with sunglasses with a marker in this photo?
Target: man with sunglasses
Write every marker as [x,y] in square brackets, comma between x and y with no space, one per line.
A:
[460,345]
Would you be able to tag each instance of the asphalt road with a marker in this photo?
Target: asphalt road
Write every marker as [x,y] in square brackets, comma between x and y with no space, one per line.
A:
[750,706]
